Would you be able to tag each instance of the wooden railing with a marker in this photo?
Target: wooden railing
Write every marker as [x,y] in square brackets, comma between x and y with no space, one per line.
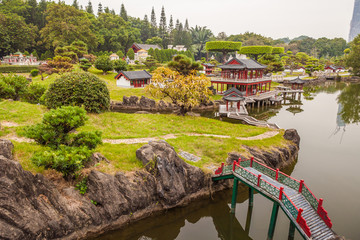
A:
[240,166]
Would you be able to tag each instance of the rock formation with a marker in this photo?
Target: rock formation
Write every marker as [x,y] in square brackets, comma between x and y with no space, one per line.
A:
[32,207]
[355,22]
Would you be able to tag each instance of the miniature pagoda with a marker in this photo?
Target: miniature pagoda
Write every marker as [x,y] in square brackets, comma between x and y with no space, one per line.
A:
[244,74]
[297,83]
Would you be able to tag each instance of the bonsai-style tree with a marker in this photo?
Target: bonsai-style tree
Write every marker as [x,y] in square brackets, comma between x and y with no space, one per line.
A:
[104,63]
[120,65]
[59,65]
[256,51]
[131,54]
[185,91]
[184,65]
[223,46]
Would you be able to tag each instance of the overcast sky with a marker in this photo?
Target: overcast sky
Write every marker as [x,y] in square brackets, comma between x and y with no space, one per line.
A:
[272,18]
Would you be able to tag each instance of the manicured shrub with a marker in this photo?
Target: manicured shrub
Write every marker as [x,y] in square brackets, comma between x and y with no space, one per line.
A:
[88,139]
[34,72]
[16,69]
[104,63]
[67,160]
[34,93]
[278,50]
[78,89]
[56,126]
[13,86]
[85,64]
[67,152]
[120,65]
[221,46]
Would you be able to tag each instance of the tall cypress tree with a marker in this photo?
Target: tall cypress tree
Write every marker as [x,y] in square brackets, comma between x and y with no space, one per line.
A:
[145,29]
[162,24]
[177,24]
[89,8]
[153,18]
[75,4]
[123,12]
[171,24]
[100,9]
[187,28]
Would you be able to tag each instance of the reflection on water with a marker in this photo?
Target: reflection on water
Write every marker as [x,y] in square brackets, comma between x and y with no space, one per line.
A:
[349,99]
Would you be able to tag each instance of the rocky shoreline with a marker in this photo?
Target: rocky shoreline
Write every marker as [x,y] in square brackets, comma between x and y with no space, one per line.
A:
[134,103]
[32,207]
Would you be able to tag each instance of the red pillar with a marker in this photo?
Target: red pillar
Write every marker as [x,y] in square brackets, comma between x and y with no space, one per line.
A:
[227,106]
[247,90]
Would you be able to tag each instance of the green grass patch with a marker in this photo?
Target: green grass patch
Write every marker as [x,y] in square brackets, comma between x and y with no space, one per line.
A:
[21,113]
[23,153]
[121,125]
[121,156]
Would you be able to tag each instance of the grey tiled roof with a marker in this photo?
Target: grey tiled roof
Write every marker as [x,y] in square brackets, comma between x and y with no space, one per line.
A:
[243,63]
[147,46]
[233,89]
[134,75]
[297,80]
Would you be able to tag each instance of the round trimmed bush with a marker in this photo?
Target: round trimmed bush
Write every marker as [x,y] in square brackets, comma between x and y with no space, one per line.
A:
[78,89]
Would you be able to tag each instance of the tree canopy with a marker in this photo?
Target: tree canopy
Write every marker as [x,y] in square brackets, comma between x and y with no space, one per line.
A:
[223,46]
[256,51]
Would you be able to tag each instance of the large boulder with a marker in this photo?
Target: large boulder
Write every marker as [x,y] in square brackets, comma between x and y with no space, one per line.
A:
[175,178]
[147,102]
[6,148]
[292,135]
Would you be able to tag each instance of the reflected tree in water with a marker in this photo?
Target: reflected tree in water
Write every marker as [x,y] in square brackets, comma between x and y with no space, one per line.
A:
[350,101]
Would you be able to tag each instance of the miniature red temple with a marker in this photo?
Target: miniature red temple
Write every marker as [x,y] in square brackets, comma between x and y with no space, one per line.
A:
[246,75]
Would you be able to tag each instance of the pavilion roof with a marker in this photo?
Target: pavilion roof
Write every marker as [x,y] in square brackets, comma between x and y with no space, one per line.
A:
[146,46]
[232,90]
[297,80]
[233,95]
[134,75]
[208,65]
[242,64]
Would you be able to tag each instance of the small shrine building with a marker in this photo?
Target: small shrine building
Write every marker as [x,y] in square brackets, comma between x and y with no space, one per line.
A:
[133,79]
[208,68]
[297,83]
[244,74]
[233,95]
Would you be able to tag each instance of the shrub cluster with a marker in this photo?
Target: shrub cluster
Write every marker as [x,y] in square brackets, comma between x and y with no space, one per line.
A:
[18,87]
[223,46]
[67,151]
[78,89]
[16,69]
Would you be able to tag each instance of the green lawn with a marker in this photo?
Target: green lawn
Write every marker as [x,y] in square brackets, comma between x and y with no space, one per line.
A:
[120,125]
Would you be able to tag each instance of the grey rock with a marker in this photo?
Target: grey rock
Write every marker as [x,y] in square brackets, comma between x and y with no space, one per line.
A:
[147,102]
[162,105]
[292,135]
[6,148]
[133,100]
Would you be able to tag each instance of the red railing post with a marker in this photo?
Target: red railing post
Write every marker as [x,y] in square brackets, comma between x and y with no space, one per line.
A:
[301,185]
[234,163]
[259,177]
[239,161]
[281,193]
[277,174]
[222,167]
[299,215]
[251,161]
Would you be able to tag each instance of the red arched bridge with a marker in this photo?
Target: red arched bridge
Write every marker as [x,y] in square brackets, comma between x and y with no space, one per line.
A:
[305,211]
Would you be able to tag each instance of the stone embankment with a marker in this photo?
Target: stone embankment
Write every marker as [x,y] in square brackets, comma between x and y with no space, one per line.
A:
[32,207]
[133,103]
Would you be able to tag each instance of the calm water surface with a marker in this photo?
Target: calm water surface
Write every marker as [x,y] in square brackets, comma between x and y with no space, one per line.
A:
[329,162]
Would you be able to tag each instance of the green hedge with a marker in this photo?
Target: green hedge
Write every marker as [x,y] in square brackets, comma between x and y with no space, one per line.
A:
[278,50]
[256,50]
[17,68]
[223,46]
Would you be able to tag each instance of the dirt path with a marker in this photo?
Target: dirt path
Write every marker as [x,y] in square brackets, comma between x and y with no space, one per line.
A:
[165,137]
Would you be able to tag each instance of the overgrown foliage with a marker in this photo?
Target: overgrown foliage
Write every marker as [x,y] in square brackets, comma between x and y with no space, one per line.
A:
[78,89]
[185,91]
[352,57]
[34,93]
[104,63]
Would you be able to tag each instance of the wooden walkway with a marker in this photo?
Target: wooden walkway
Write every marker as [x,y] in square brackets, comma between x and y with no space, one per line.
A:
[303,209]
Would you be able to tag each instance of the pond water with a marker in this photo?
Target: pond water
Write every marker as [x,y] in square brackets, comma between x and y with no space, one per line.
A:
[329,162]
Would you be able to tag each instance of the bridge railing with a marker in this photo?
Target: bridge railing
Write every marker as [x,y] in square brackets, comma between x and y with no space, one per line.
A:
[274,191]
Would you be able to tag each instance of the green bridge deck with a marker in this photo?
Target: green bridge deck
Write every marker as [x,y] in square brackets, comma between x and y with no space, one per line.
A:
[304,210]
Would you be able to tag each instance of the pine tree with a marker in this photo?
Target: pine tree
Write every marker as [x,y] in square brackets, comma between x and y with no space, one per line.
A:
[112,12]
[75,4]
[162,24]
[107,10]
[123,12]
[89,8]
[153,18]
[145,29]
[177,24]
[171,24]
[187,28]
[100,9]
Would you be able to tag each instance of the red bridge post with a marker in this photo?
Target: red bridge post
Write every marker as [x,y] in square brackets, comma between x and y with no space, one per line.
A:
[251,161]
[234,164]
[277,174]
[281,193]
[259,177]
